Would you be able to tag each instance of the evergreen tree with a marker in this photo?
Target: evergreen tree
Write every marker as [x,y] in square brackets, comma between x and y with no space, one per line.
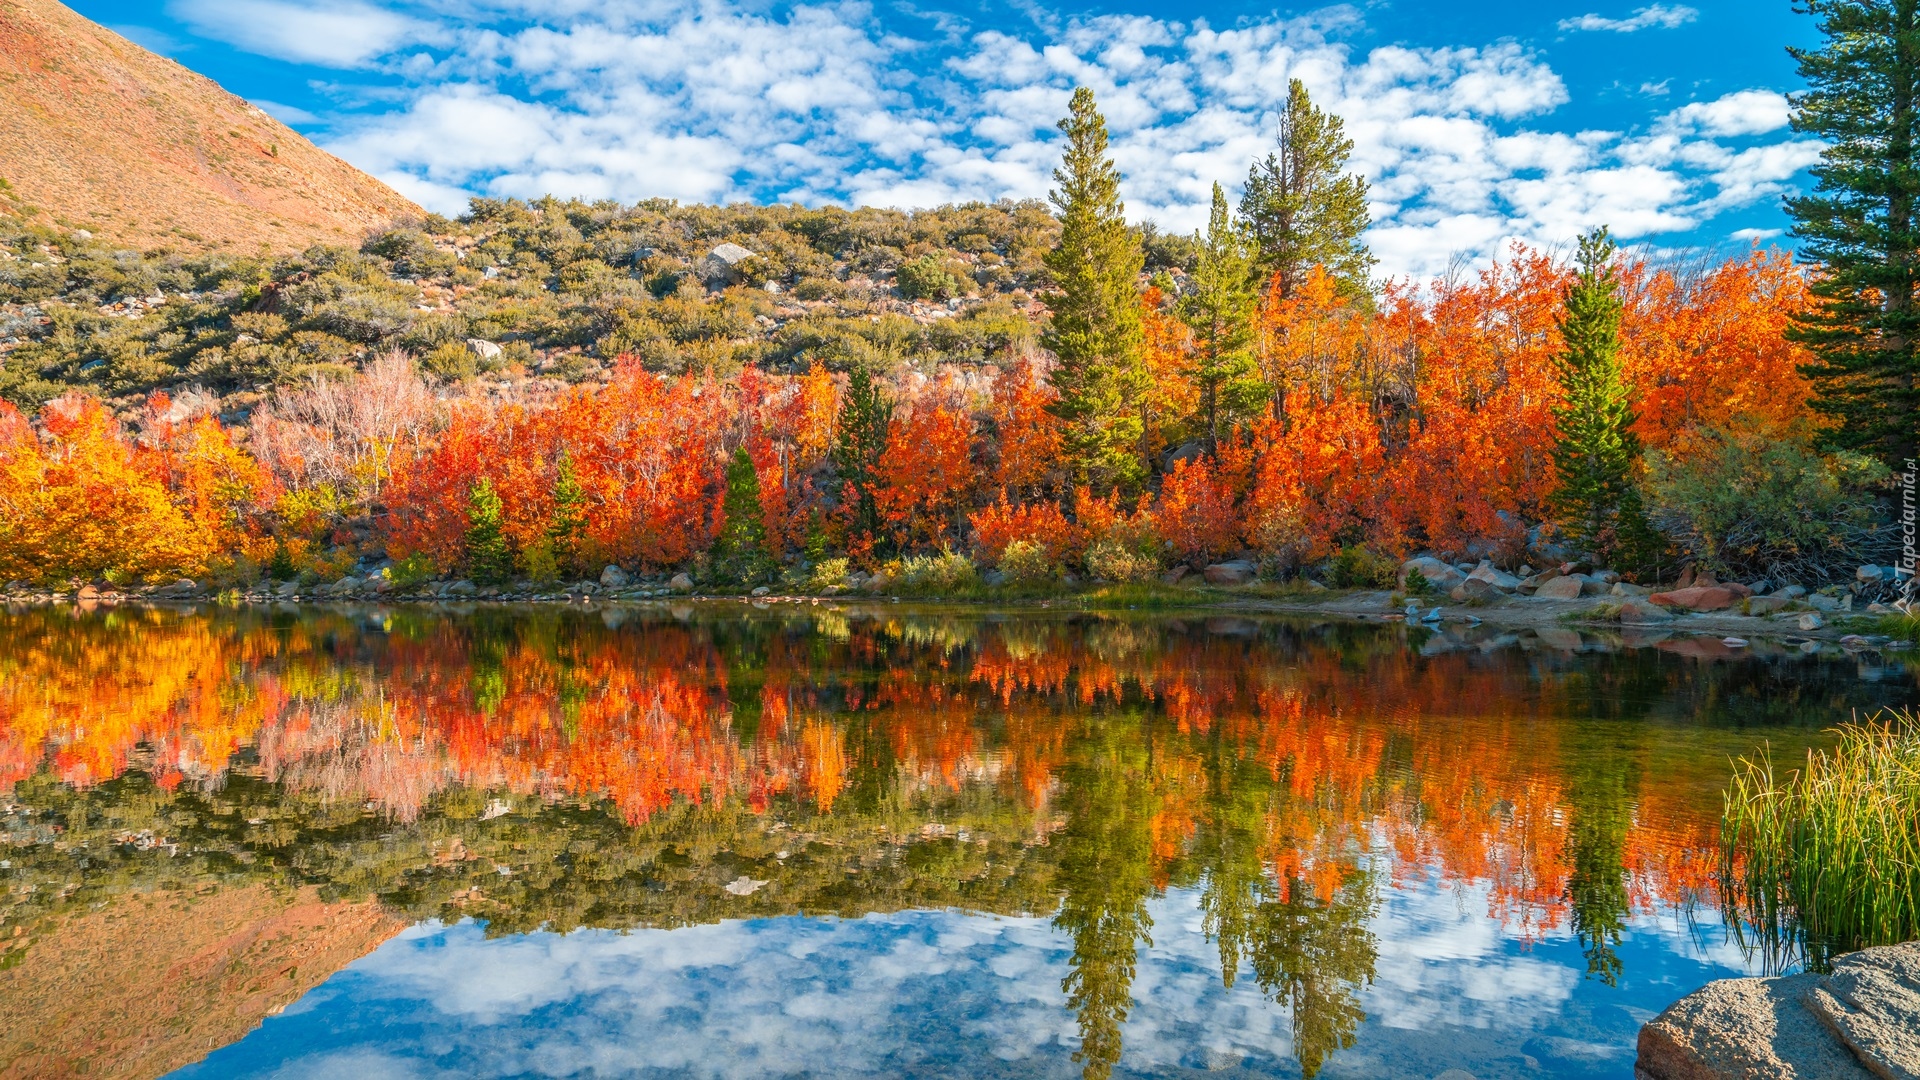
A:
[568,527]
[740,553]
[1301,208]
[865,416]
[1096,328]
[1219,309]
[489,559]
[1595,449]
[1863,221]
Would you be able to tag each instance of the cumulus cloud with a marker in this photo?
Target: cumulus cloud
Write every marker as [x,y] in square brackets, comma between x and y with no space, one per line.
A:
[1655,16]
[823,102]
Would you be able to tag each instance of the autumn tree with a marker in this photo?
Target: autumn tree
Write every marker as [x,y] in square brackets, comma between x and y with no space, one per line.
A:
[740,554]
[489,556]
[1862,222]
[1096,327]
[1301,208]
[1595,450]
[1219,308]
[865,415]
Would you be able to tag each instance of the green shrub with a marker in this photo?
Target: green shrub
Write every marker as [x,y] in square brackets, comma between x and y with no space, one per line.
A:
[1025,562]
[411,572]
[942,573]
[1746,504]
[1115,559]
[925,278]
[828,574]
[452,361]
[1358,567]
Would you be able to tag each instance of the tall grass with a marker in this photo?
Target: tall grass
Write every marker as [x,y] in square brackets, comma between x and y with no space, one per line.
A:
[1826,859]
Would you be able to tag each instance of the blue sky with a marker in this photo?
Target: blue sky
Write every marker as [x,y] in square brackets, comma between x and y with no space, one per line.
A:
[1478,123]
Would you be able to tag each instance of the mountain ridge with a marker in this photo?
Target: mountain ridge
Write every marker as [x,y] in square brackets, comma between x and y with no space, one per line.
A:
[98,133]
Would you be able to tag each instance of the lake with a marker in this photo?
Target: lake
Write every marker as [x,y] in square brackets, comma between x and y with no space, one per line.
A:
[716,839]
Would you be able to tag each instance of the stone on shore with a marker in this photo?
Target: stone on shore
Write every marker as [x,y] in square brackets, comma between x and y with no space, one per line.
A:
[613,578]
[1438,574]
[1860,1022]
[1644,612]
[1697,598]
[1234,572]
[1494,576]
[1564,587]
[680,583]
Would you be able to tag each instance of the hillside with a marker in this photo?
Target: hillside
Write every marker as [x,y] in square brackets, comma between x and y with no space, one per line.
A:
[97,133]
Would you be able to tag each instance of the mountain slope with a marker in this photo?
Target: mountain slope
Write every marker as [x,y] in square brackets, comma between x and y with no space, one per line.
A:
[97,133]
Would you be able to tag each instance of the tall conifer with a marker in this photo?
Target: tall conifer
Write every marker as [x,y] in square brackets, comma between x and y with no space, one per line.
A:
[1096,331]
[489,558]
[1301,207]
[1219,310]
[865,415]
[1595,450]
[1863,221]
[740,552]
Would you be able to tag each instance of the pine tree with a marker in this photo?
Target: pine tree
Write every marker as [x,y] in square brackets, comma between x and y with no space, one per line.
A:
[489,559]
[1219,309]
[1096,331]
[740,553]
[1863,221]
[1301,208]
[1595,450]
[865,416]
[568,526]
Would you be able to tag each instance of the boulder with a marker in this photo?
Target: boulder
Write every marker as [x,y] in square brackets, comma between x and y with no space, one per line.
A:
[461,588]
[1627,588]
[1438,574]
[1860,1021]
[1591,585]
[1822,602]
[724,263]
[613,578]
[180,589]
[1474,589]
[1870,575]
[1234,572]
[1811,621]
[1792,592]
[1565,587]
[1534,581]
[1494,576]
[1174,576]
[1696,598]
[681,583]
[1760,587]
[483,349]
[1643,612]
[761,590]
[1766,605]
[1605,577]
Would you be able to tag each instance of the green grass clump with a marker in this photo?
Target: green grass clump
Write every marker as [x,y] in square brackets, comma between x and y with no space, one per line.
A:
[1826,860]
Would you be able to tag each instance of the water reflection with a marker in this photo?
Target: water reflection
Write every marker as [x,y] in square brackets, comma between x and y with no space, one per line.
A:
[1285,790]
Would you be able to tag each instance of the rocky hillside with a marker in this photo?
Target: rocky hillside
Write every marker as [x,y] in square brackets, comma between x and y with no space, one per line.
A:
[98,134]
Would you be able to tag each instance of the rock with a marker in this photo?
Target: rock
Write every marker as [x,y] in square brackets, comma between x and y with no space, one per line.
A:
[681,583]
[87,592]
[1438,574]
[1741,1028]
[1766,605]
[1737,589]
[1811,621]
[1628,588]
[1871,1000]
[1605,577]
[761,590]
[614,578]
[1494,576]
[1860,1021]
[1174,576]
[1474,589]
[744,886]
[1431,616]
[1869,575]
[1792,592]
[1576,566]
[287,589]
[1565,587]
[1235,572]
[1760,587]
[1189,452]
[1643,612]
[1696,598]
[483,349]
[182,588]
[345,585]
[1533,582]
[1822,602]
[1686,579]
[462,588]
[724,263]
[1312,585]
[1879,609]
[1592,586]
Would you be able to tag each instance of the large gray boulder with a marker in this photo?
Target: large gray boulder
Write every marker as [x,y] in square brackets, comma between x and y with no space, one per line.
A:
[1438,574]
[725,264]
[1565,587]
[613,578]
[1232,572]
[1494,576]
[1860,1022]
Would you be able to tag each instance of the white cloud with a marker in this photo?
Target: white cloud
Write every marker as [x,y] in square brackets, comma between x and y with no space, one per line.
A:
[1653,16]
[339,34]
[703,100]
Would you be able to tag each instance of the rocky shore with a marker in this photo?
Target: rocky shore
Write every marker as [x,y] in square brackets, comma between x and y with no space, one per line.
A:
[1860,1022]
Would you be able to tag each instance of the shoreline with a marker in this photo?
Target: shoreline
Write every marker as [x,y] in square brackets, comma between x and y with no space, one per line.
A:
[1366,607]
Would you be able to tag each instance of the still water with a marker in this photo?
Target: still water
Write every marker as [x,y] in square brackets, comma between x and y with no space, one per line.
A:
[808,840]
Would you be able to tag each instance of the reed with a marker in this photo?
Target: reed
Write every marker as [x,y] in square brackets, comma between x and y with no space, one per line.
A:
[1826,859]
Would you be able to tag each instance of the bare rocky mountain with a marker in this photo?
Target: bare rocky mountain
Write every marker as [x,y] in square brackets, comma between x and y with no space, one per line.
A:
[97,133]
